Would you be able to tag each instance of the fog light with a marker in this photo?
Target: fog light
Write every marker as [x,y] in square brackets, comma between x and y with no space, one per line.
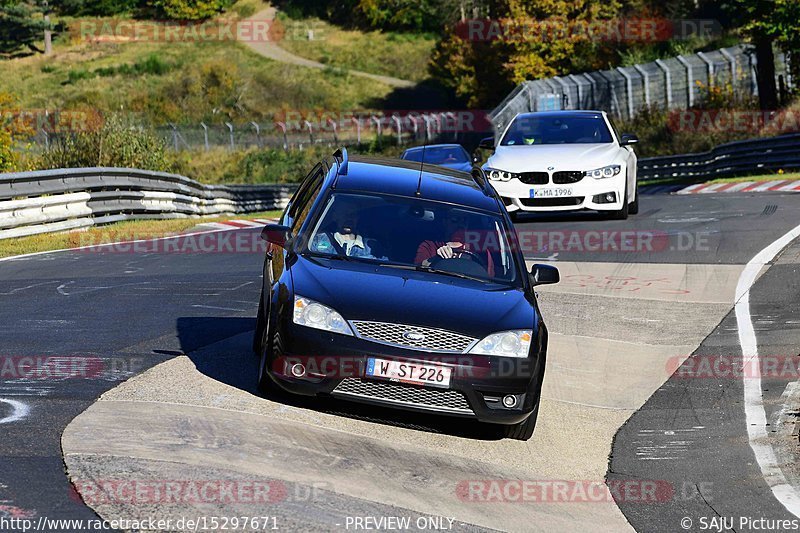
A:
[298,370]
[610,197]
[510,401]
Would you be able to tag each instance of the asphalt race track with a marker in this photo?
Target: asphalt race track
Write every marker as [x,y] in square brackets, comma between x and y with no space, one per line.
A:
[634,431]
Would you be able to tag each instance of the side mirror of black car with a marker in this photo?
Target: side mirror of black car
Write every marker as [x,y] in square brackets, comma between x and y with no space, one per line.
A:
[544,275]
[487,143]
[277,234]
[627,139]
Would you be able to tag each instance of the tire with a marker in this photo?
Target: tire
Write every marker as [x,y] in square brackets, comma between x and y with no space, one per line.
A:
[524,430]
[622,214]
[265,385]
[258,334]
[634,207]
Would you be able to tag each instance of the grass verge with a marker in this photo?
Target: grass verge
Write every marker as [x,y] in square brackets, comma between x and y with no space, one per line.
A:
[766,177]
[117,232]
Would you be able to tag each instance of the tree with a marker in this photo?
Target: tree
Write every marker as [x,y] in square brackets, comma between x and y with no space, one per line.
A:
[21,26]
[770,23]
[189,9]
[481,60]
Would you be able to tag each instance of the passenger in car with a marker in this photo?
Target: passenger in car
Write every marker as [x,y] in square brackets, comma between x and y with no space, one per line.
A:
[344,238]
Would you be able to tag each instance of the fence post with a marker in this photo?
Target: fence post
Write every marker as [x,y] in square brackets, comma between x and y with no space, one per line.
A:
[667,81]
[399,127]
[205,135]
[646,81]
[230,132]
[358,128]
[282,126]
[378,125]
[333,125]
[258,133]
[689,80]
[629,90]
[732,60]
[174,136]
[710,65]
[591,89]
[428,132]
[310,131]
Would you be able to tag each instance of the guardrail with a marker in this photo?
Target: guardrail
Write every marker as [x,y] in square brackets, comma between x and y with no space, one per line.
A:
[738,158]
[65,199]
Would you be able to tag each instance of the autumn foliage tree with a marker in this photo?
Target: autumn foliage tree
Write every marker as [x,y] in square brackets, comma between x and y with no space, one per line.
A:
[523,40]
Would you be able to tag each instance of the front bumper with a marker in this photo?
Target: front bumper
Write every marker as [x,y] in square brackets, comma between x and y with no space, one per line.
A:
[584,194]
[335,365]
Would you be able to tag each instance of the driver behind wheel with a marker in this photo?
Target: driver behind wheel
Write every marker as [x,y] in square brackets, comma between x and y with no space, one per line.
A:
[455,228]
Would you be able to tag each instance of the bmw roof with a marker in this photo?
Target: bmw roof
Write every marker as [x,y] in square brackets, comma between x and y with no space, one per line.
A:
[401,177]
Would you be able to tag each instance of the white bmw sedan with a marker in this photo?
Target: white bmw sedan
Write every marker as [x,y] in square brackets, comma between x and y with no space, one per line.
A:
[564,161]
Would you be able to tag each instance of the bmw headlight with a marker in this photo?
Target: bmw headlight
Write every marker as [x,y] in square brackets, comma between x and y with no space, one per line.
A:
[505,343]
[315,315]
[500,175]
[604,172]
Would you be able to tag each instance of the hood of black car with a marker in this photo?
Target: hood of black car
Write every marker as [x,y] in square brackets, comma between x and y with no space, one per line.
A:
[362,291]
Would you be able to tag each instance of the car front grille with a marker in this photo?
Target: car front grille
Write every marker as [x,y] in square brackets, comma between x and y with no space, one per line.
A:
[552,202]
[567,176]
[399,394]
[535,178]
[428,339]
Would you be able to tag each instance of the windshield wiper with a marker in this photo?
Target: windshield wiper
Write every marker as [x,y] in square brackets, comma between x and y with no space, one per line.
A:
[420,268]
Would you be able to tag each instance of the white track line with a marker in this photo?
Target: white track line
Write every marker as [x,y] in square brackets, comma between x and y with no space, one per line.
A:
[20,411]
[755,415]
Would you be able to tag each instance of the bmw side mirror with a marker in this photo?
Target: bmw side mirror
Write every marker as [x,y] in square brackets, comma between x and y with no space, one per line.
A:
[544,275]
[277,234]
[628,139]
[487,143]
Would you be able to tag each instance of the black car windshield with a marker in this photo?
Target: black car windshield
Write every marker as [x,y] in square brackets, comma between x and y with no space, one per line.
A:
[438,155]
[554,129]
[415,234]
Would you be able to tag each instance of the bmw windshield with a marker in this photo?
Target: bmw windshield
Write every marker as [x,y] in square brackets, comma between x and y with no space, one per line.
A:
[560,129]
[414,234]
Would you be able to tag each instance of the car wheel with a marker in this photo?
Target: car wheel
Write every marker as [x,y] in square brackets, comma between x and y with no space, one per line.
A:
[524,430]
[634,207]
[265,384]
[622,214]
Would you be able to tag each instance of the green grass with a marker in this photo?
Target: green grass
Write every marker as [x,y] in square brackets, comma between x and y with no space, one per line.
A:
[399,55]
[118,232]
[180,82]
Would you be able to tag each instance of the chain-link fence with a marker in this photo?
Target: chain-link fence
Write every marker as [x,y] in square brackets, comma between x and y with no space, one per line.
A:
[674,83]
[405,129]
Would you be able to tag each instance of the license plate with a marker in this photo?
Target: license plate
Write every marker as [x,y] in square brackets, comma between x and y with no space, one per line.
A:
[552,192]
[404,372]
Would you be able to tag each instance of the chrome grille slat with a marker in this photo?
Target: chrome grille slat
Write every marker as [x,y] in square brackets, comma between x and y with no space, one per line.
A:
[436,340]
[439,400]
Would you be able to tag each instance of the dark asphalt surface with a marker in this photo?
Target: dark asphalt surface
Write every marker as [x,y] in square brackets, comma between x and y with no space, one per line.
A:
[692,432]
[123,310]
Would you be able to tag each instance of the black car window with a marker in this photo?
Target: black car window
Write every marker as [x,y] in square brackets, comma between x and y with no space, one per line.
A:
[557,129]
[407,232]
[305,197]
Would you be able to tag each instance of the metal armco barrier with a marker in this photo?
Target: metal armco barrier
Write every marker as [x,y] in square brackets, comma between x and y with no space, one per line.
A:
[738,158]
[65,199]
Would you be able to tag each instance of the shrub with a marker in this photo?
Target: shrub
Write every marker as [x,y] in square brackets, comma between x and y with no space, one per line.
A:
[189,9]
[114,144]
[8,158]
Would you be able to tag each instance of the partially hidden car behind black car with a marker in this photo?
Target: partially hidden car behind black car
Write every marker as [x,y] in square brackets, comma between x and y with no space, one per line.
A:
[399,284]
